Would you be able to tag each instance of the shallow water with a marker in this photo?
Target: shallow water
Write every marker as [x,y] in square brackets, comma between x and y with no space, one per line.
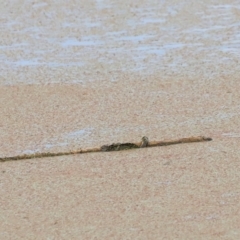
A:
[93,39]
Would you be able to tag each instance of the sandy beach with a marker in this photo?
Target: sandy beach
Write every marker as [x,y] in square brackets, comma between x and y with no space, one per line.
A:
[80,76]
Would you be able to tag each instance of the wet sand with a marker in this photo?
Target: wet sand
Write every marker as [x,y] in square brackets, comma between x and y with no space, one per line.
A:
[187,191]
[174,192]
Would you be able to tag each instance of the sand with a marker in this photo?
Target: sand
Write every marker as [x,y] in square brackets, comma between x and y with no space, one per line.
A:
[187,191]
